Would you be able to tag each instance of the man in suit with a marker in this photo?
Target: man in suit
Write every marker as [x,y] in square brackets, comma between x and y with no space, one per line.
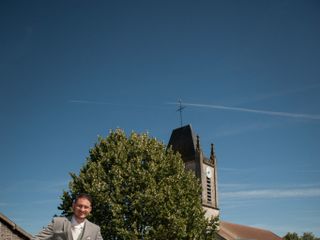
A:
[75,228]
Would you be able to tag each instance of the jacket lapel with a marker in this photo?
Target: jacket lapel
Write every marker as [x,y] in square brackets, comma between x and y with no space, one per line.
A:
[86,231]
[68,229]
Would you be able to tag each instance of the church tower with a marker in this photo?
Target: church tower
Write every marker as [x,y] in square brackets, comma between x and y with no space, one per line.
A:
[184,141]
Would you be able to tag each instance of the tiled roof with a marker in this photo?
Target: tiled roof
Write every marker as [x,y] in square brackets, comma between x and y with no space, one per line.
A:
[231,231]
[14,227]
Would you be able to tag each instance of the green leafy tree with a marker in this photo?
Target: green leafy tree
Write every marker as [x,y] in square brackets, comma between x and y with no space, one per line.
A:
[308,236]
[141,190]
[291,236]
[305,236]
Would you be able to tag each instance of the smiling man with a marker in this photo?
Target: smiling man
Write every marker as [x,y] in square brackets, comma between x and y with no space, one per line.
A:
[75,228]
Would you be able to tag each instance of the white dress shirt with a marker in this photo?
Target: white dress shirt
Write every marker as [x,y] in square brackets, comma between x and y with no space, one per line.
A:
[76,228]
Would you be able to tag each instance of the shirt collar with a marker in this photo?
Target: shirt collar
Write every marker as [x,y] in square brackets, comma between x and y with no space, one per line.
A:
[76,224]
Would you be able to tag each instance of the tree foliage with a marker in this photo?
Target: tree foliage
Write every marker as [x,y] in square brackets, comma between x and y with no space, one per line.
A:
[308,236]
[141,190]
[291,236]
[305,236]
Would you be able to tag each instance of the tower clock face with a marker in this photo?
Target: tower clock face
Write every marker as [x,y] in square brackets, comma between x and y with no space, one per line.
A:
[208,172]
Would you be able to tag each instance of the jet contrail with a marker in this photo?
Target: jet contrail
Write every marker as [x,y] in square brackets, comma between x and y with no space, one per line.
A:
[90,102]
[281,114]
[79,101]
[273,193]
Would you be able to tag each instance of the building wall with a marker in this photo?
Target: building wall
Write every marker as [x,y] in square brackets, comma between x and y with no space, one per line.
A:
[210,212]
[190,165]
[10,231]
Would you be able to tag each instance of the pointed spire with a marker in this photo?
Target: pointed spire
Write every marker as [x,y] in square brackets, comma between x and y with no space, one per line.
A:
[212,153]
[198,143]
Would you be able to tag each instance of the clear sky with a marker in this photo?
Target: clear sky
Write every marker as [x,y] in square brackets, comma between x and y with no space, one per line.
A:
[247,72]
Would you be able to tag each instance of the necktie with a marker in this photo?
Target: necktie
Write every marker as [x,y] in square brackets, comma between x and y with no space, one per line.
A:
[76,232]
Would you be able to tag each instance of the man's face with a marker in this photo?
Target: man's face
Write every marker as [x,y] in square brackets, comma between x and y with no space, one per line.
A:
[81,209]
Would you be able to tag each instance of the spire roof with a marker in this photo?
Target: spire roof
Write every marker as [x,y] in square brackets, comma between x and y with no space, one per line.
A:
[183,140]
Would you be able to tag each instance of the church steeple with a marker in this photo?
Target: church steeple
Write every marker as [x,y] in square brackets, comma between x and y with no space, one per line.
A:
[184,141]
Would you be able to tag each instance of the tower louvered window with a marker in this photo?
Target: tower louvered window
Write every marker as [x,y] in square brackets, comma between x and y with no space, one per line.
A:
[209,197]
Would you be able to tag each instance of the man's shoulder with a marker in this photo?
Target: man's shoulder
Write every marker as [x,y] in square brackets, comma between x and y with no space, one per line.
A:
[60,220]
[91,224]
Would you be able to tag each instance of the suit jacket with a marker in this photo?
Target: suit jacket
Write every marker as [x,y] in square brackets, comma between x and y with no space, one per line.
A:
[60,229]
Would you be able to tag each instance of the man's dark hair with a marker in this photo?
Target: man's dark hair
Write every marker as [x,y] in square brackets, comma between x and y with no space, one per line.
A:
[83,195]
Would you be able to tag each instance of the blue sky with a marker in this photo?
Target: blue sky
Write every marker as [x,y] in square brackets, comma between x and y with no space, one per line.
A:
[247,72]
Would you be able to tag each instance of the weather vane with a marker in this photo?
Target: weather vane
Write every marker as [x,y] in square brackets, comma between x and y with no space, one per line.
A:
[180,110]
